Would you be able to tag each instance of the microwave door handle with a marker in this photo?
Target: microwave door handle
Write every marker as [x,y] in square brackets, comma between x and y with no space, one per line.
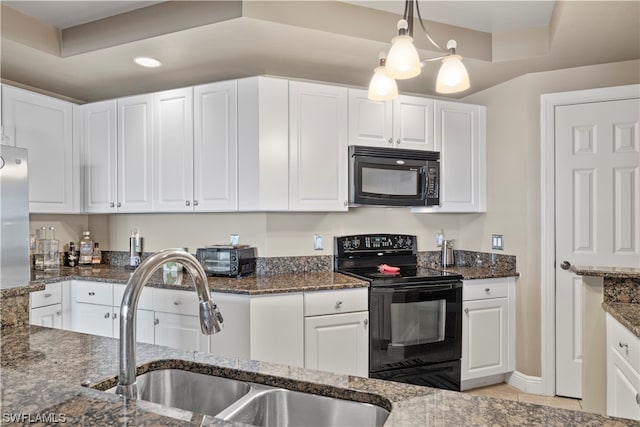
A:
[424,184]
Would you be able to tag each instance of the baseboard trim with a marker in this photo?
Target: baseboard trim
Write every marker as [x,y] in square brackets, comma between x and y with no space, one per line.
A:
[526,383]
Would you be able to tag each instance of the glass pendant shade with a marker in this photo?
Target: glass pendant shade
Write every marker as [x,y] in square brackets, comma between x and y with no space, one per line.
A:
[382,87]
[403,61]
[453,76]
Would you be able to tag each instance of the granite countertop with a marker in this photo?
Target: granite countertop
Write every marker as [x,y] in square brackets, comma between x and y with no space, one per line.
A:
[617,272]
[627,314]
[42,370]
[473,273]
[252,285]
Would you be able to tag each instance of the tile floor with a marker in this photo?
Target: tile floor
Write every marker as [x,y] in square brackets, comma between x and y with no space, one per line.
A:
[508,392]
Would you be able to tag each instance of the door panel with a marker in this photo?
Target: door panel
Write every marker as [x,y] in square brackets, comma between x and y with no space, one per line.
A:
[597,212]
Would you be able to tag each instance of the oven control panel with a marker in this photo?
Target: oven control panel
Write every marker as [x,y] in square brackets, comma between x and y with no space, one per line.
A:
[363,243]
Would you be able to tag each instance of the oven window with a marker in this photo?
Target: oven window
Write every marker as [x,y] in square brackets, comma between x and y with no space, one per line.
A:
[392,182]
[417,322]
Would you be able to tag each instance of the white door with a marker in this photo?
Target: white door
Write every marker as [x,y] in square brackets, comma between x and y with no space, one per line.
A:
[597,150]
[99,163]
[485,338]
[92,319]
[173,150]
[215,161]
[135,134]
[413,123]
[370,122]
[49,316]
[317,147]
[44,126]
[180,331]
[338,343]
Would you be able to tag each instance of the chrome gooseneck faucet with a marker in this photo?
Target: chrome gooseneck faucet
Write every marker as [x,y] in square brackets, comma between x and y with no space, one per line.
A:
[210,318]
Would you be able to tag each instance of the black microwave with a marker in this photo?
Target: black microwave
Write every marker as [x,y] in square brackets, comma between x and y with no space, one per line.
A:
[393,177]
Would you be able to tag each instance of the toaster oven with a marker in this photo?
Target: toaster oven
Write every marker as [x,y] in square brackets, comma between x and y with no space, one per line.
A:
[227,260]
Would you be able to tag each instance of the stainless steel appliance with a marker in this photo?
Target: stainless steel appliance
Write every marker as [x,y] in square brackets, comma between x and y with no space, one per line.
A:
[448,259]
[393,177]
[14,218]
[415,313]
[227,260]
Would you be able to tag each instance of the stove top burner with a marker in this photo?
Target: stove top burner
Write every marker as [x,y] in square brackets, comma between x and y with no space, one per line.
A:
[407,274]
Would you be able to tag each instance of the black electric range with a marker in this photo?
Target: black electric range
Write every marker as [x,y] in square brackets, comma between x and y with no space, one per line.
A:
[415,313]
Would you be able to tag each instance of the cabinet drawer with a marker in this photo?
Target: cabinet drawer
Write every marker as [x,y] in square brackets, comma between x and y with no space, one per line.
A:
[624,342]
[484,289]
[145,302]
[336,301]
[179,302]
[92,292]
[52,294]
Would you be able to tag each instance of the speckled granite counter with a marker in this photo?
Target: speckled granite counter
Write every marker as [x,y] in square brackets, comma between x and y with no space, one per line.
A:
[254,284]
[42,370]
[612,272]
[627,314]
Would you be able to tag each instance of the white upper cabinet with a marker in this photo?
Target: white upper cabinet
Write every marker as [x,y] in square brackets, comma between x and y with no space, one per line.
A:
[135,147]
[173,150]
[215,160]
[263,144]
[405,122]
[317,147]
[460,139]
[44,126]
[98,127]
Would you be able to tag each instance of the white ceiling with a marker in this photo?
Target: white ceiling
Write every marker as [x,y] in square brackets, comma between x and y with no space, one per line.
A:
[329,40]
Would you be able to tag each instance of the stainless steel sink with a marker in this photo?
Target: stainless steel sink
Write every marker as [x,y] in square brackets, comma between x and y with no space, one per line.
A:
[280,407]
[250,403]
[190,391]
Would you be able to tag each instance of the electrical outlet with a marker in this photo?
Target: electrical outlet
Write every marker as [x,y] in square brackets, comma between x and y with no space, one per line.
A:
[318,242]
[439,238]
[234,239]
[497,242]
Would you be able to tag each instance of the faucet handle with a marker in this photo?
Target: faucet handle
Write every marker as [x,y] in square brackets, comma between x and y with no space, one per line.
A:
[211,321]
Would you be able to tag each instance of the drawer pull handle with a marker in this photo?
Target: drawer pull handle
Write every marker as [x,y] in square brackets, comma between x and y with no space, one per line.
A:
[366,322]
[58,313]
[91,294]
[338,305]
[177,302]
[487,290]
[156,321]
[466,311]
[107,315]
[625,346]
[114,316]
[48,295]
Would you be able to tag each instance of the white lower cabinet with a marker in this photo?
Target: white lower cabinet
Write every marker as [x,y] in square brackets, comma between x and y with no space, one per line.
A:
[336,331]
[623,371]
[46,306]
[180,331]
[488,331]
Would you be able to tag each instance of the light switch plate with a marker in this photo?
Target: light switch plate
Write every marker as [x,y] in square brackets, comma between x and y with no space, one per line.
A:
[439,238]
[318,242]
[497,242]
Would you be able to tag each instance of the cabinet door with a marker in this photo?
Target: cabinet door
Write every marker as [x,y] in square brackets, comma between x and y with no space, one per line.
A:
[460,139]
[338,343]
[145,329]
[44,126]
[317,147]
[370,122]
[135,178]
[180,331]
[99,160]
[413,123]
[173,150]
[49,316]
[485,338]
[92,319]
[215,162]
[233,339]
[623,388]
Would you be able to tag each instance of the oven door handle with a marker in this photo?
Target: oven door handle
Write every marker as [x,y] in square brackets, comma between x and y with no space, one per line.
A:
[421,288]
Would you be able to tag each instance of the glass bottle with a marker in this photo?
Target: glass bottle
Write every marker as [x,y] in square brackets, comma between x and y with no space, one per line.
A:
[72,258]
[96,256]
[52,252]
[86,249]
[41,248]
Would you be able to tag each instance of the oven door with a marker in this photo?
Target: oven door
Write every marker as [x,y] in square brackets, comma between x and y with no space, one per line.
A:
[414,325]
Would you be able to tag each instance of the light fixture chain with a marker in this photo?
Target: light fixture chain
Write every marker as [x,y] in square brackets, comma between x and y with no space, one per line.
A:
[433,42]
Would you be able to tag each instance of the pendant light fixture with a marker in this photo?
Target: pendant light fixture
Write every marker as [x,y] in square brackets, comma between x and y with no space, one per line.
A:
[403,61]
[382,87]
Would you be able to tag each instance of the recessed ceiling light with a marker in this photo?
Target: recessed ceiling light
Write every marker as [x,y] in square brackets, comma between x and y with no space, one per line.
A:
[145,61]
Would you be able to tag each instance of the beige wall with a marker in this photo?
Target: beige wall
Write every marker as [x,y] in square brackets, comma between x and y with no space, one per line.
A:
[513,183]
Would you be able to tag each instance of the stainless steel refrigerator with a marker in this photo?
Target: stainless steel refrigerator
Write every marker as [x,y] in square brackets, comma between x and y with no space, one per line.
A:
[14,217]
